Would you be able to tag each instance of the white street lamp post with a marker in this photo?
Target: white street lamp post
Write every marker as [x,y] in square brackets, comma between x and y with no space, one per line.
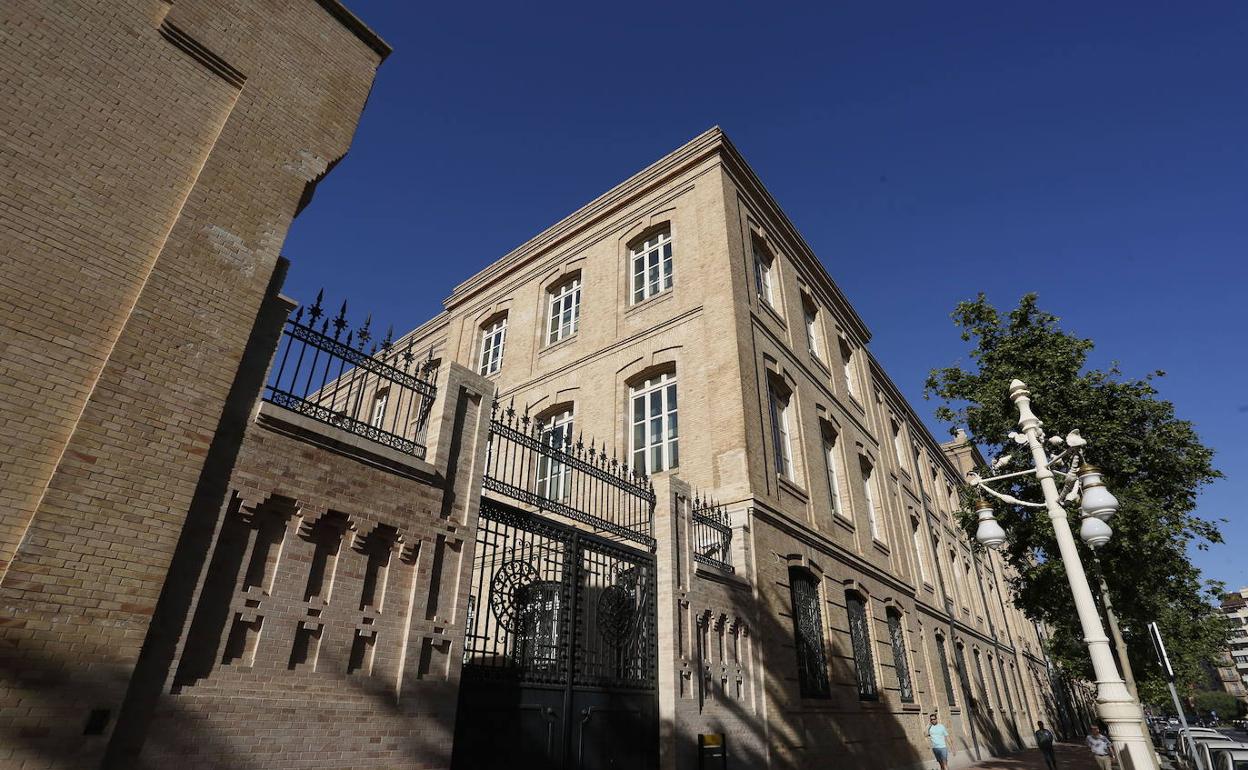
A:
[1115,705]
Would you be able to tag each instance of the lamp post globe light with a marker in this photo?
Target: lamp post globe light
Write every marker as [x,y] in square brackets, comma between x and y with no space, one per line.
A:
[1121,712]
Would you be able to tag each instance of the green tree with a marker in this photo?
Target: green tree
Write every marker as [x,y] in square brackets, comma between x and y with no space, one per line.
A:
[1154,463]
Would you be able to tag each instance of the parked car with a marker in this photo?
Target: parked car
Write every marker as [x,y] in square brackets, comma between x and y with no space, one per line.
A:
[1233,759]
[1171,739]
[1210,750]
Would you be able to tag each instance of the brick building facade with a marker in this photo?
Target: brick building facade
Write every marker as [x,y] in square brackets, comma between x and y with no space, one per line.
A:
[154,156]
[193,574]
[688,279]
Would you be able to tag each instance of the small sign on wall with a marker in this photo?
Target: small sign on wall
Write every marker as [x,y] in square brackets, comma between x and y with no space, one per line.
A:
[712,751]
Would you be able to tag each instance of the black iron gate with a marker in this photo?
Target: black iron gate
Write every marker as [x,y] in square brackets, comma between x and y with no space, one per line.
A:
[560,639]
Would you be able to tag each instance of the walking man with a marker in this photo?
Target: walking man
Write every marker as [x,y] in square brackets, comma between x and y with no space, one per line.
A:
[1102,749]
[938,734]
[1044,741]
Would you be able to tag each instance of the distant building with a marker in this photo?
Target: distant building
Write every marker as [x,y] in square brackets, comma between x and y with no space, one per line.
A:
[1233,670]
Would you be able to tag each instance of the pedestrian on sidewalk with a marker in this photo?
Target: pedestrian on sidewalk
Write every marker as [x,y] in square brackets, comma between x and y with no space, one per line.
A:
[938,734]
[1102,750]
[1044,742]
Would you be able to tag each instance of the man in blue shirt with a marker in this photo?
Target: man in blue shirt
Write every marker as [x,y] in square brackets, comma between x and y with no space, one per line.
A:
[938,734]
[1044,742]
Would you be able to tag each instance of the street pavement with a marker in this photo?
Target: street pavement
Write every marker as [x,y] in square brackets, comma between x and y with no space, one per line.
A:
[1070,756]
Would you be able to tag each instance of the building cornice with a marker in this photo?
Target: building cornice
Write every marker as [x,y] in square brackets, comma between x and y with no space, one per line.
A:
[357,27]
[709,144]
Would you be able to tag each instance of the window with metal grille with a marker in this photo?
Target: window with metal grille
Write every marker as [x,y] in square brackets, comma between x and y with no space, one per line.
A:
[493,338]
[565,310]
[897,636]
[812,662]
[652,266]
[860,638]
[655,434]
[944,671]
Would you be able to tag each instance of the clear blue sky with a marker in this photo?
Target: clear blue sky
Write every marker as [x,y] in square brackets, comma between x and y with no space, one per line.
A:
[1092,152]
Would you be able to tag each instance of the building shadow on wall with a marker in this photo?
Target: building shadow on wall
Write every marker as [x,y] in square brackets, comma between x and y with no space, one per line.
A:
[838,731]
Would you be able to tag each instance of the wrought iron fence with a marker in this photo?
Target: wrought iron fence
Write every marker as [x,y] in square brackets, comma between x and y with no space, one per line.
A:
[380,391]
[711,533]
[546,469]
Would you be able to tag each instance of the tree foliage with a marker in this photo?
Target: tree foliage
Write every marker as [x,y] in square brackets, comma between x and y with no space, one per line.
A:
[1155,464]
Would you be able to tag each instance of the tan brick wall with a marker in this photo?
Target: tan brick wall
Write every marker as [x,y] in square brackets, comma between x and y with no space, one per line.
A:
[725,346]
[328,622]
[154,158]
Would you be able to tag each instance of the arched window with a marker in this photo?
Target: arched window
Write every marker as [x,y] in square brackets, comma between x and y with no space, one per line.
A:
[655,428]
[493,337]
[860,638]
[897,635]
[565,309]
[779,407]
[553,476]
[652,266]
[812,662]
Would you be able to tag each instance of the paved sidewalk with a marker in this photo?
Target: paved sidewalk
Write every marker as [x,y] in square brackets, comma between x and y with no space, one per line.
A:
[1070,756]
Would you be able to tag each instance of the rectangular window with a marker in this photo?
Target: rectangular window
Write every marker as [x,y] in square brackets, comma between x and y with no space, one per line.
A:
[833,466]
[655,430]
[565,310]
[553,476]
[944,671]
[492,339]
[811,312]
[783,452]
[379,408]
[868,495]
[652,266]
[897,635]
[899,450]
[917,537]
[918,469]
[847,367]
[860,638]
[812,662]
[762,275]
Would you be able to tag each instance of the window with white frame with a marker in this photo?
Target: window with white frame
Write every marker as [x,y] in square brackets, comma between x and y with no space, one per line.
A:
[652,266]
[552,475]
[899,447]
[917,536]
[847,367]
[813,339]
[762,274]
[778,403]
[918,468]
[379,407]
[565,310]
[493,338]
[832,464]
[868,494]
[655,430]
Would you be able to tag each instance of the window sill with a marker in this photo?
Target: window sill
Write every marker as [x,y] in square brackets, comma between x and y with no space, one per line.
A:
[568,340]
[650,301]
[880,546]
[792,488]
[775,314]
[931,589]
[818,362]
[843,520]
[911,707]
